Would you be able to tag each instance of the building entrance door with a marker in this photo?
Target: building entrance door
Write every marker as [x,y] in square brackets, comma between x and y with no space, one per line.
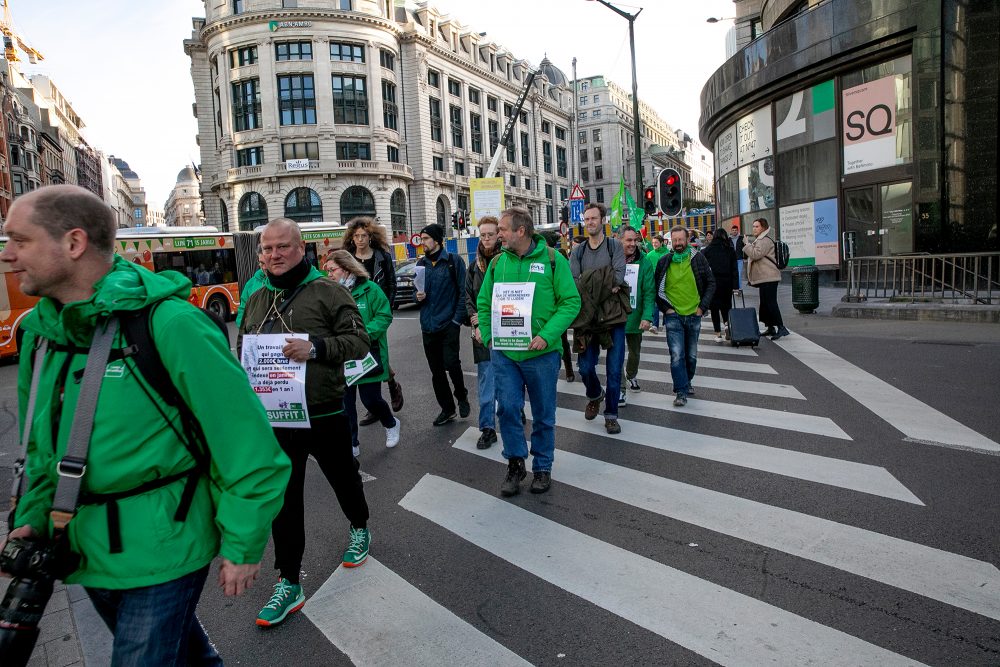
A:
[880,216]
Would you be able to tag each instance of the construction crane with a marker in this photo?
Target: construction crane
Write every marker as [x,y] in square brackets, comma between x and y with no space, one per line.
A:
[10,37]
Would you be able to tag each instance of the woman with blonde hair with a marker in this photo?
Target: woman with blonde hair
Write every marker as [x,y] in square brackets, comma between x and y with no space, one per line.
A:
[366,240]
[377,316]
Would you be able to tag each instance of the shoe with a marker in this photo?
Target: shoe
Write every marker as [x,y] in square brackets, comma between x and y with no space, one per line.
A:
[392,435]
[541,482]
[570,375]
[612,426]
[769,332]
[680,400]
[515,473]
[593,407]
[780,333]
[356,451]
[654,330]
[486,438]
[633,385]
[690,390]
[718,338]
[357,551]
[444,418]
[287,599]
[395,395]
[464,409]
[368,419]
[623,397]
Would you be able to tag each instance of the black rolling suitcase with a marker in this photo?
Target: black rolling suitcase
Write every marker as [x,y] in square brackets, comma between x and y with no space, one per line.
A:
[743,328]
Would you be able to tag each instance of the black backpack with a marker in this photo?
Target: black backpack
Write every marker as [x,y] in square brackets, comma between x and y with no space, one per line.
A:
[781,254]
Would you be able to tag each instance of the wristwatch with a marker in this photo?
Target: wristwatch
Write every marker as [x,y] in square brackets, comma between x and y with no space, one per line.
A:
[312,351]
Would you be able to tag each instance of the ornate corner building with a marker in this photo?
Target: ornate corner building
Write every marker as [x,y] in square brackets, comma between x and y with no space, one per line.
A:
[322,110]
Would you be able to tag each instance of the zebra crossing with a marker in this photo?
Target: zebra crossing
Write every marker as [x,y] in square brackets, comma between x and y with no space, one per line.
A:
[718,623]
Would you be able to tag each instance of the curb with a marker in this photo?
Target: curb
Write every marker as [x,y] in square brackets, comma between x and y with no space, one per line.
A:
[941,312]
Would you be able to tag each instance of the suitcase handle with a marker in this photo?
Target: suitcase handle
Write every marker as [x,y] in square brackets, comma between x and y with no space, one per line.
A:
[741,297]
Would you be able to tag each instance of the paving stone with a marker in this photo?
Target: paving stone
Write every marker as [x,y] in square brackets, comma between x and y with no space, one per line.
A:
[64,651]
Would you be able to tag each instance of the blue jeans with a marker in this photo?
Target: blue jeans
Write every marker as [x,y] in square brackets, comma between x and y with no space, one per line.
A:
[539,376]
[371,398]
[156,626]
[487,395]
[682,339]
[615,363]
[656,316]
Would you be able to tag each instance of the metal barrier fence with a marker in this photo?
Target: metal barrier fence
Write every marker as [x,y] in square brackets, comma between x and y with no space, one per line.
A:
[971,278]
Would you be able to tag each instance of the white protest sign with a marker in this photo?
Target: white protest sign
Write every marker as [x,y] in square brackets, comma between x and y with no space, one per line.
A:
[511,316]
[279,382]
[418,278]
[355,369]
[632,278]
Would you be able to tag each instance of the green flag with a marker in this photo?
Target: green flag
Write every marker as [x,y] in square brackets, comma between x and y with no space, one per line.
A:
[617,206]
[635,212]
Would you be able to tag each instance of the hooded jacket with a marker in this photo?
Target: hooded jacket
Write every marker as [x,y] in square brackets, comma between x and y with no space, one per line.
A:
[133,444]
[445,302]
[762,267]
[646,296]
[377,316]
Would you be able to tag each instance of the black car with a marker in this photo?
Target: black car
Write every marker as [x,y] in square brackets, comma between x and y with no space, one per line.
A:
[405,291]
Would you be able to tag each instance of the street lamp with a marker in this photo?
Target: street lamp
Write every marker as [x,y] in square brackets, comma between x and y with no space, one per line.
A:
[714,19]
[635,92]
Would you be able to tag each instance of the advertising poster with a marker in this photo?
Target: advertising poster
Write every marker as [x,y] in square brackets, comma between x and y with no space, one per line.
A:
[725,152]
[805,117]
[279,382]
[827,243]
[753,136]
[511,316]
[810,230]
[870,125]
[486,198]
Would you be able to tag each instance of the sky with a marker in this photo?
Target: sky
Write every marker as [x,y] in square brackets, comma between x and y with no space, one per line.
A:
[121,63]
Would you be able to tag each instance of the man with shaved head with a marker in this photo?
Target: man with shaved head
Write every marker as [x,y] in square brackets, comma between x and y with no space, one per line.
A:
[165,486]
[296,297]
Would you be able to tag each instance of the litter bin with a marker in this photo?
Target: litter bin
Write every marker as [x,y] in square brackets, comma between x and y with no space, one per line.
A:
[805,289]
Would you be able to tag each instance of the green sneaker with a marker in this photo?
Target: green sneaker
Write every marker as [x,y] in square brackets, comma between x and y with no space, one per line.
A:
[288,598]
[357,550]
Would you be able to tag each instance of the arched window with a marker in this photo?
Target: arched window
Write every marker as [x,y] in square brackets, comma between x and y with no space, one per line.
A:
[397,209]
[304,205]
[225,215]
[253,211]
[442,211]
[356,201]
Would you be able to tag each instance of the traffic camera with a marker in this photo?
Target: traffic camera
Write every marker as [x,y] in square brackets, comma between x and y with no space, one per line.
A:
[671,199]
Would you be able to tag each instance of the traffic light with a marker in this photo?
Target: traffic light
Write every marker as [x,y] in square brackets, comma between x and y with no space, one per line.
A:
[462,217]
[649,201]
[671,197]
[454,220]
[564,214]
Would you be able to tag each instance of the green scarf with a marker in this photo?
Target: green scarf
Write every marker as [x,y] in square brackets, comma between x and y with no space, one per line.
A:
[679,257]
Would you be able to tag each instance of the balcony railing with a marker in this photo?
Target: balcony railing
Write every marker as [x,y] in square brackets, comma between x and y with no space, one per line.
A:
[967,278]
[323,166]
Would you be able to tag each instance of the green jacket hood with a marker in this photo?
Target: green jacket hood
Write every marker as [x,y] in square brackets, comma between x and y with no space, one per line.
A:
[541,246]
[126,286]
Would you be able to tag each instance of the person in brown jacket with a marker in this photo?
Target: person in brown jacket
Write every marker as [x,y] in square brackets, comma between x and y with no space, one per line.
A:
[764,274]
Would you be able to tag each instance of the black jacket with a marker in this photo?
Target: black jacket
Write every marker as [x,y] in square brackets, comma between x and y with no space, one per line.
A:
[703,278]
[722,259]
[385,273]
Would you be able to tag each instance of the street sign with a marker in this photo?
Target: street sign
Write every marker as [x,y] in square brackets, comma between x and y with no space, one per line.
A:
[487,197]
[415,240]
[576,210]
[577,193]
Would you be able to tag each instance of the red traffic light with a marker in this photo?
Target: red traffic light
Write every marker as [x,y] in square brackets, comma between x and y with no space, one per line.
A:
[649,194]
[671,179]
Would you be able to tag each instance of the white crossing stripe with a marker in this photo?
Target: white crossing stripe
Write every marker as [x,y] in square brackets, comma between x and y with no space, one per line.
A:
[726,384]
[719,364]
[950,578]
[707,347]
[722,625]
[789,421]
[916,419]
[399,625]
[862,477]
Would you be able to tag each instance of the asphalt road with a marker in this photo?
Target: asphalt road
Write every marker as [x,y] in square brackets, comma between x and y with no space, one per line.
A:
[749,528]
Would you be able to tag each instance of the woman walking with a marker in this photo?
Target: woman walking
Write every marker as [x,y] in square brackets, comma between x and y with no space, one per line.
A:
[722,258]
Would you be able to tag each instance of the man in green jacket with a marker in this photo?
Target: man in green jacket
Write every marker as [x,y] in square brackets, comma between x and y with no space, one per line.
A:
[528,299]
[145,571]
[642,294]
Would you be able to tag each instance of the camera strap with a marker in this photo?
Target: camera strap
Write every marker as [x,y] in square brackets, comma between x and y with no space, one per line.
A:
[17,489]
[74,463]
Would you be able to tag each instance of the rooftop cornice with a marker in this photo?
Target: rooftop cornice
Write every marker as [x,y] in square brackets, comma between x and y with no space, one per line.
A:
[249,18]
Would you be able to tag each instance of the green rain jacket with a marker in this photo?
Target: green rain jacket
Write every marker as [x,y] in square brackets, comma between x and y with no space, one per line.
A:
[255,283]
[377,315]
[132,443]
[556,300]
[645,297]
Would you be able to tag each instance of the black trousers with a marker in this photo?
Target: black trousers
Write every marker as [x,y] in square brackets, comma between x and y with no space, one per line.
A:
[770,314]
[441,350]
[329,441]
[722,311]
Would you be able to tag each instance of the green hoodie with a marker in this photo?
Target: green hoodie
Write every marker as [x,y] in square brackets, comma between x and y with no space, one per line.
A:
[132,443]
[377,315]
[556,301]
[646,298]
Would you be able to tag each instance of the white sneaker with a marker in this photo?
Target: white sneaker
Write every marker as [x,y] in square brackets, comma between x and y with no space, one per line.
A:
[718,338]
[623,398]
[392,435]
[357,451]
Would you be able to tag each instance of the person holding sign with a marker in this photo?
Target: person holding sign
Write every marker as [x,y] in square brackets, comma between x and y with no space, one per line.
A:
[322,329]
[527,300]
[377,315]
[639,276]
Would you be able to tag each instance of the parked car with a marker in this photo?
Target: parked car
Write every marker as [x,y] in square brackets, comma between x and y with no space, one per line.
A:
[405,291]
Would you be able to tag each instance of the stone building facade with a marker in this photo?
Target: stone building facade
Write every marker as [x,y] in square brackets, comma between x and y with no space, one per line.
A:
[183,207]
[329,110]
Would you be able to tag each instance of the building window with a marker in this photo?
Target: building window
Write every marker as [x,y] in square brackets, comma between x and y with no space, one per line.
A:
[596,113]
[252,211]
[246,105]
[245,55]
[479,172]
[527,183]
[581,136]
[387,59]
[600,195]
[473,96]
[454,87]
[584,174]
[237,6]
[348,53]
[582,115]
[597,99]
[596,134]
[561,162]
[550,215]
[510,151]
[355,202]
[250,157]
[354,150]
[547,157]
[437,162]
[224,212]
[392,153]
[508,109]
[599,173]
[459,168]
[463,203]
[390,111]
[583,155]
[584,85]
[546,127]
[289,4]
[494,128]
[491,103]
[598,154]
[560,133]
[435,107]
[457,132]
[525,151]
[297,99]
[304,205]
[513,180]
[523,117]
[397,211]
[350,100]
[548,191]
[583,99]
[476,125]
[302,150]
[433,78]
[441,208]
[293,51]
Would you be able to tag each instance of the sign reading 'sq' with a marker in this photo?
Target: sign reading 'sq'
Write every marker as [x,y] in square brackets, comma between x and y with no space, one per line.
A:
[869,126]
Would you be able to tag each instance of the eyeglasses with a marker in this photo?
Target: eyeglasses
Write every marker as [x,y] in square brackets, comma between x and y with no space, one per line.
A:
[487,235]
[281,248]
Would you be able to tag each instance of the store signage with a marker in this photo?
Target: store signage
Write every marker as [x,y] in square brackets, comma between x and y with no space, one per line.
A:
[869,130]
[296,165]
[276,25]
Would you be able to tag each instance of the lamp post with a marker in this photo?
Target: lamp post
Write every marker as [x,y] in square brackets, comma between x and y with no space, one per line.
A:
[717,19]
[635,93]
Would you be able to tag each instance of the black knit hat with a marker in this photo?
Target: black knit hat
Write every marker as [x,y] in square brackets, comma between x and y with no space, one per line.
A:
[434,231]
